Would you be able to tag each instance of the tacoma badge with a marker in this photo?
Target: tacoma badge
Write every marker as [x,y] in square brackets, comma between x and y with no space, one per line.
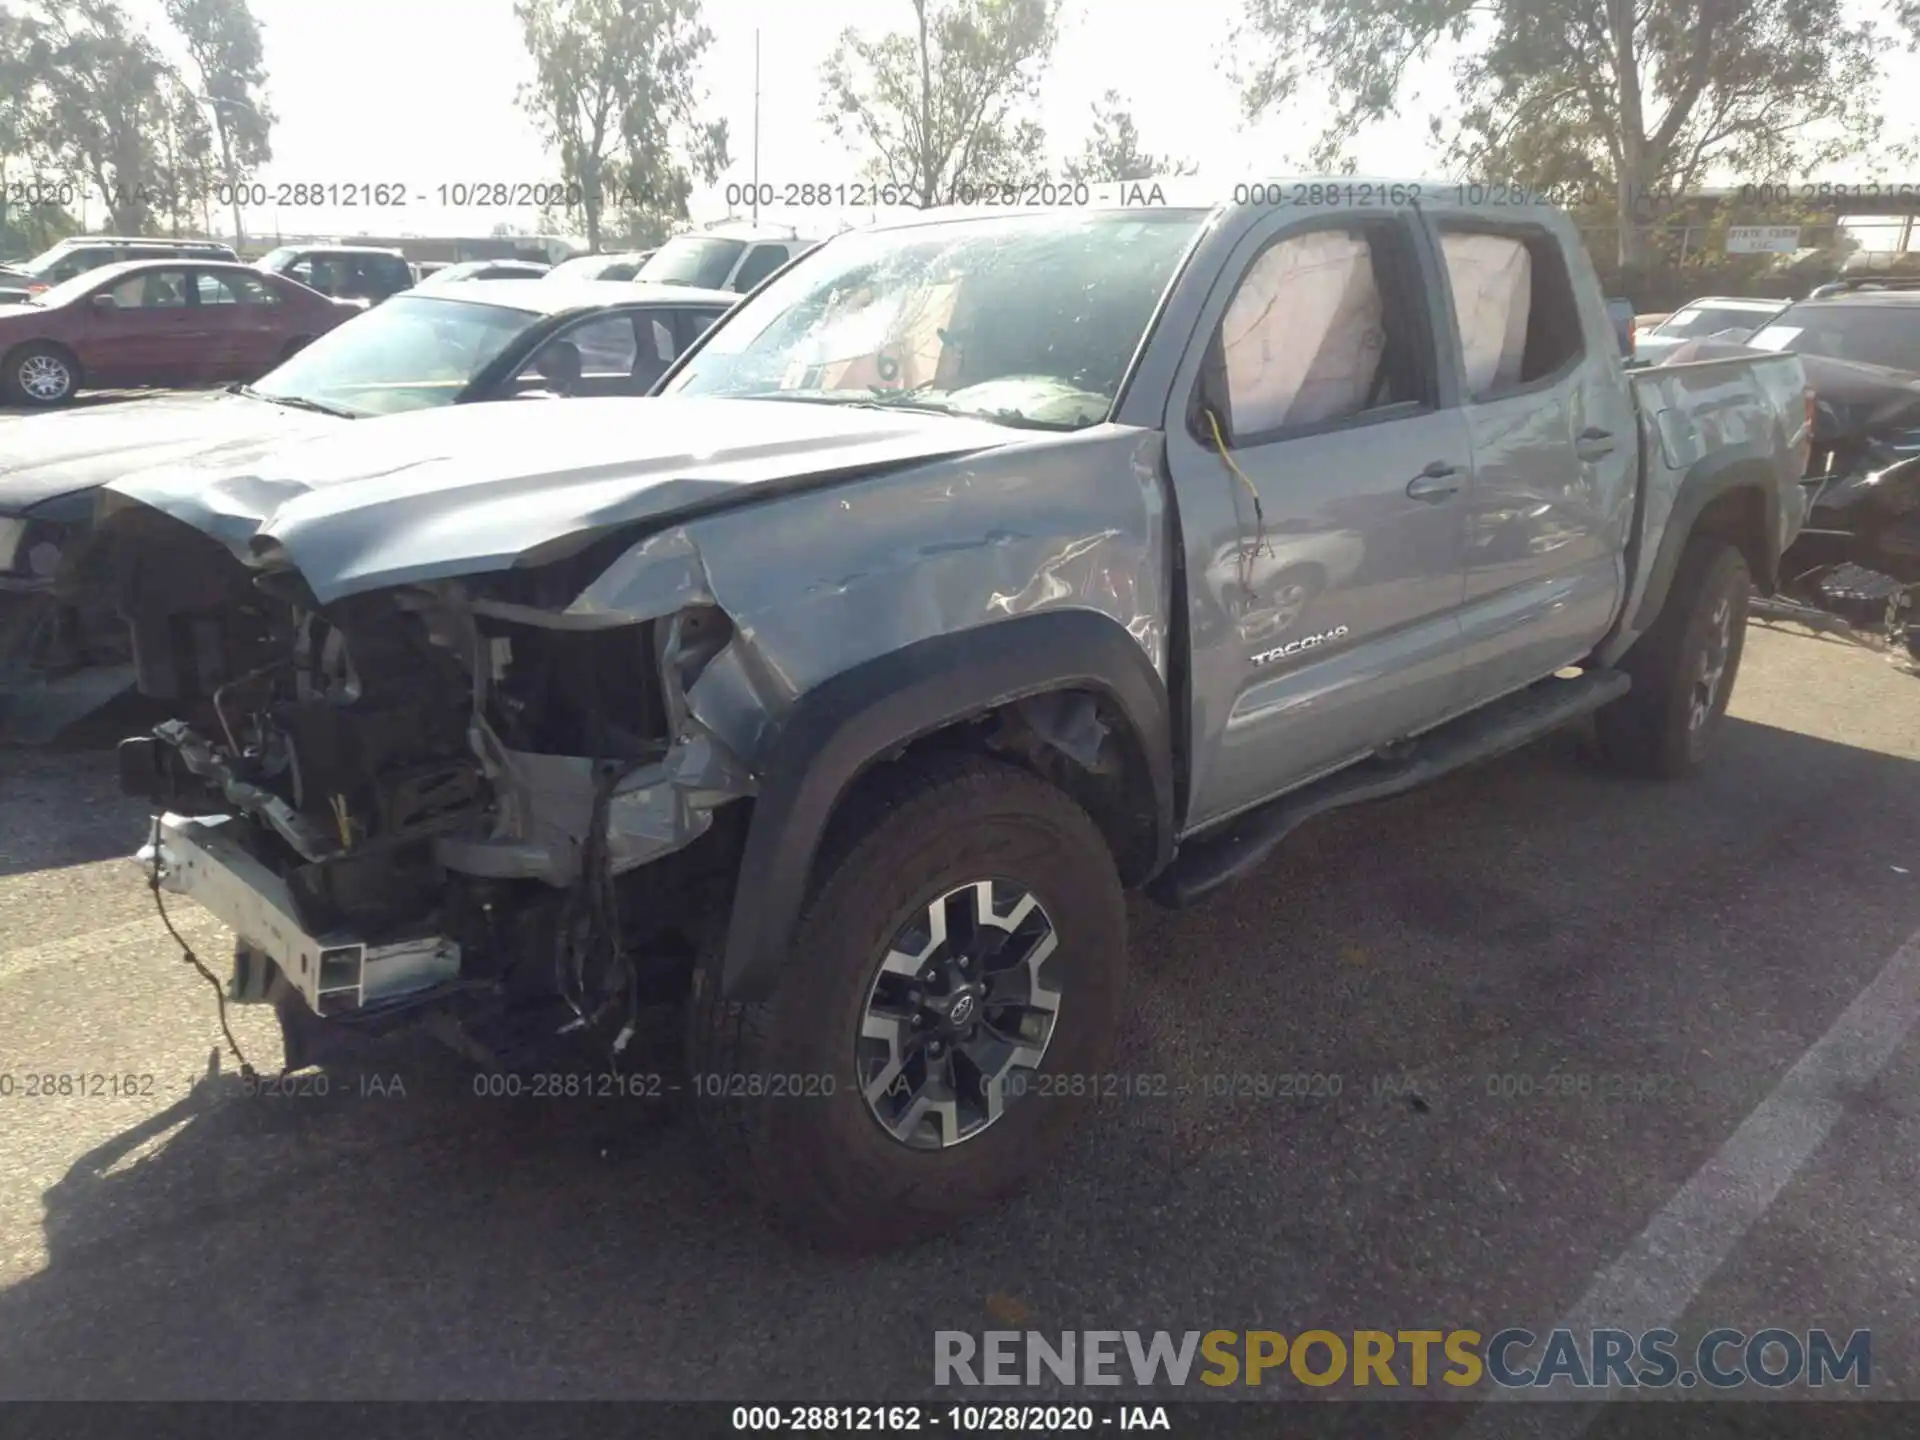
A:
[1295,647]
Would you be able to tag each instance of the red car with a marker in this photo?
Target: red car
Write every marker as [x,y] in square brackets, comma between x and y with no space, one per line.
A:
[157,322]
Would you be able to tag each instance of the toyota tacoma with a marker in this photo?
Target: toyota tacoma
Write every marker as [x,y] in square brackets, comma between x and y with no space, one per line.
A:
[975,569]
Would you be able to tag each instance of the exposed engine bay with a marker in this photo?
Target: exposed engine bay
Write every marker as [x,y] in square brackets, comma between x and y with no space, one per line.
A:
[446,794]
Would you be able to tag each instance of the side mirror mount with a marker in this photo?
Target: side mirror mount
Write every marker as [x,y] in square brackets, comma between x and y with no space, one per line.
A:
[104,301]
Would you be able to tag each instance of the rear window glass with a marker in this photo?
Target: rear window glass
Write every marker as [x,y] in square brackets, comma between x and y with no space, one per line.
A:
[1701,320]
[703,262]
[1886,335]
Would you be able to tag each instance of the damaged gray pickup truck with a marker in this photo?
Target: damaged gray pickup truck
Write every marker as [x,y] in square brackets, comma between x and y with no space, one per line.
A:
[972,571]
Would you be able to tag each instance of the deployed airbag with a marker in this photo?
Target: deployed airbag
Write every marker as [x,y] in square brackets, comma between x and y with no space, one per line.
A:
[1303,336]
[1492,281]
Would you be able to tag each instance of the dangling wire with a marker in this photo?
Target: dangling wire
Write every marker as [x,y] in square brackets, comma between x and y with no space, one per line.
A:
[247,1071]
[1259,513]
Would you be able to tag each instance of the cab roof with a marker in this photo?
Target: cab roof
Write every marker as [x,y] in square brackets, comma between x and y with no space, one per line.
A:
[550,297]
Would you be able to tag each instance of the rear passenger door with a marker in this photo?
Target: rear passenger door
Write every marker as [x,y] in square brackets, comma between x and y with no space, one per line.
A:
[1319,464]
[237,327]
[1554,447]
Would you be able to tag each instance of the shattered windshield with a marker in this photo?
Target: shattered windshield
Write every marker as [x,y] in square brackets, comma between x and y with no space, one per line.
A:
[413,352]
[1028,320]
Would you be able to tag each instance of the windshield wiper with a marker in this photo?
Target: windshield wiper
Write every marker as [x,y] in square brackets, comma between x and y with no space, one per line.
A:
[295,402]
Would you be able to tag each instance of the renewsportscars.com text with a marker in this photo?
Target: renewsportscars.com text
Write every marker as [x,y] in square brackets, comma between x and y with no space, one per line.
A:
[1510,1359]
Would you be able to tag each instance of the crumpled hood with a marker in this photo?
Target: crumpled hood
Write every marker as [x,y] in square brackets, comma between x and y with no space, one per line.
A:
[46,456]
[467,489]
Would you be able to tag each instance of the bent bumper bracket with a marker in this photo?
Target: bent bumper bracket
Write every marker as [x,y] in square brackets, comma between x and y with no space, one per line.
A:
[200,858]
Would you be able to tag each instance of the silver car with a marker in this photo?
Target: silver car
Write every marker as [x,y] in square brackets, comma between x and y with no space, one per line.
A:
[1733,317]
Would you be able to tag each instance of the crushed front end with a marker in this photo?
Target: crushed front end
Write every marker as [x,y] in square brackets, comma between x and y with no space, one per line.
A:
[448,801]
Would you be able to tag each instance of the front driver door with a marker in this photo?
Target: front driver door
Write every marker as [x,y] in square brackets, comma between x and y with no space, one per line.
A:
[144,337]
[1320,467]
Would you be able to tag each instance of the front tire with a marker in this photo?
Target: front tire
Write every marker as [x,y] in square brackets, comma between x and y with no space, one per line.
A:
[1683,668]
[869,1102]
[41,375]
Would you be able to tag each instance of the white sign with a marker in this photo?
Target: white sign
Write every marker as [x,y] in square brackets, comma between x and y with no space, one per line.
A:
[1762,239]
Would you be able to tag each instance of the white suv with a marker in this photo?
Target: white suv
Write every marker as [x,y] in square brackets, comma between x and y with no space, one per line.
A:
[725,258]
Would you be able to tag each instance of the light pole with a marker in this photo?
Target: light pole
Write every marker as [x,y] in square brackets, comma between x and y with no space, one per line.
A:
[756,127]
[226,158]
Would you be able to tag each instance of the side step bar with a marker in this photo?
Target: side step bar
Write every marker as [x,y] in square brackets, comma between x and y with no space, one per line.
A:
[1204,865]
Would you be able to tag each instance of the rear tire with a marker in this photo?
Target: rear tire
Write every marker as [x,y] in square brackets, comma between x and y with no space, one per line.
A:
[862,1157]
[1683,668]
[40,374]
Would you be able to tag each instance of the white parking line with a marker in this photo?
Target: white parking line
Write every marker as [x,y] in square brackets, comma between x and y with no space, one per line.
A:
[1657,1276]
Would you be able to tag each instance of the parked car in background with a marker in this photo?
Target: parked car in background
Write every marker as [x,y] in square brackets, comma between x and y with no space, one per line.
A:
[423,268]
[487,270]
[1860,553]
[156,322]
[1732,316]
[16,284]
[78,254]
[422,349]
[600,267]
[727,258]
[1851,284]
[1650,319]
[363,273]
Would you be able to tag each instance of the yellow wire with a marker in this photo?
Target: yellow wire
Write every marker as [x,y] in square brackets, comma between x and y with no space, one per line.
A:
[1259,515]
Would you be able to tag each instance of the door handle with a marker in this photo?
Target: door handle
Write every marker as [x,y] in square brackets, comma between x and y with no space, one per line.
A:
[1593,443]
[1436,482]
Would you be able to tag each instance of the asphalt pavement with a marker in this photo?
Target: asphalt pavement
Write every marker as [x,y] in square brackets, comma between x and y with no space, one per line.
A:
[1732,961]
[86,399]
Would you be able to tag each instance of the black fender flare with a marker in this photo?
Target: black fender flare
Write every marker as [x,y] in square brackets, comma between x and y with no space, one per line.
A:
[1715,477]
[835,731]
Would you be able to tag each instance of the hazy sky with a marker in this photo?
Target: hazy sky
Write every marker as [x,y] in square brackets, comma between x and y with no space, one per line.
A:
[422,92]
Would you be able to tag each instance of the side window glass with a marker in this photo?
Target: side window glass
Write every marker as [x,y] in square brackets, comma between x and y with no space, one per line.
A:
[764,260]
[1305,339]
[1514,304]
[602,349]
[155,290]
[606,346]
[254,291]
[692,324]
[657,349]
[214,289]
